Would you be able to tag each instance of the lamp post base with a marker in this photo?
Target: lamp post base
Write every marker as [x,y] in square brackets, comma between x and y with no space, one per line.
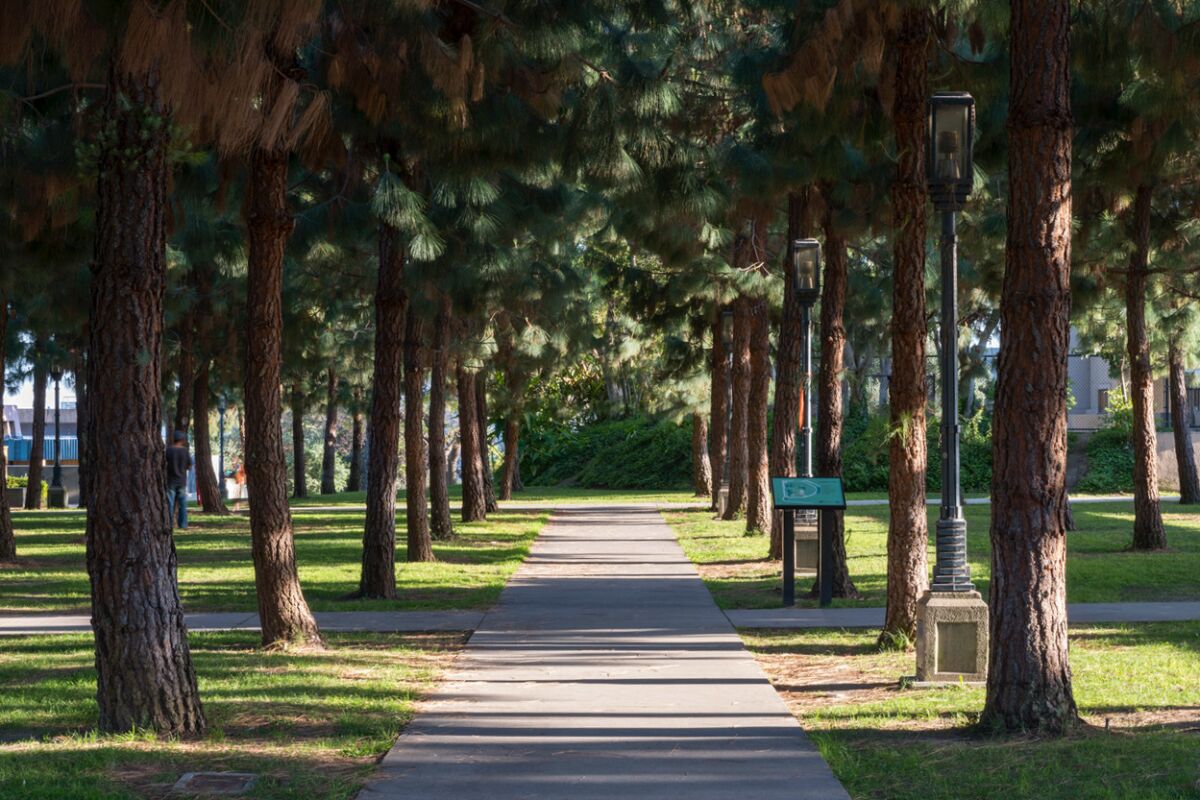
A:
[56,497]
[952,638]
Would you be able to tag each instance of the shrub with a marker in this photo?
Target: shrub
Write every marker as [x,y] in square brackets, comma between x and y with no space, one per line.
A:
[1110,463]
[639,452]
[22,482]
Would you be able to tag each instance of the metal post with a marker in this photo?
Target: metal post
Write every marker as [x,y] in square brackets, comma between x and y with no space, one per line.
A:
[728,416]
[951,573]
[806,468]
[221,451]
[56,476]
[825,543]
[789,558]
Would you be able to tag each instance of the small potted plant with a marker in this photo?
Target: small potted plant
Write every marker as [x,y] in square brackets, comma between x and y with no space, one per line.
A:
[14,490]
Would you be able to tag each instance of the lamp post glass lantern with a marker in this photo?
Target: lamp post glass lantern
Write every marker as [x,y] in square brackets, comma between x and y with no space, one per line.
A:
[804,257]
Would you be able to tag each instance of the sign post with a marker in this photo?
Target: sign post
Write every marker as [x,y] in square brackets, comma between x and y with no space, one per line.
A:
[823,495]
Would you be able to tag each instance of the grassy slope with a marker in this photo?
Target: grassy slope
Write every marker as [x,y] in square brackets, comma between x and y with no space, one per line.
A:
[917,744]
[311,724]
[1099,566]
[216,574]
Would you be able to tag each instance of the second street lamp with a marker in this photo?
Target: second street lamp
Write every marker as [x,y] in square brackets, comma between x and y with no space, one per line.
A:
[57,495]
[952,625]
[804,258]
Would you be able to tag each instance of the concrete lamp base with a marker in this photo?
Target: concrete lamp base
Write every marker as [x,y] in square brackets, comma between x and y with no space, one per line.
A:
[56,497]
[952,639]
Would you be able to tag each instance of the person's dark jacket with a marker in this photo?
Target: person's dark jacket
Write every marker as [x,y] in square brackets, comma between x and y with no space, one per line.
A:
[179,461]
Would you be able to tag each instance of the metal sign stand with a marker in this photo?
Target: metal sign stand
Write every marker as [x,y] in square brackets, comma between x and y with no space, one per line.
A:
[826,496]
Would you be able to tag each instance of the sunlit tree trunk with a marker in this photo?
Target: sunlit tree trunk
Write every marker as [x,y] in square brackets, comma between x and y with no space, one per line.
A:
[737,454]
[702,478]
[420,546]
[758,472]
[441,526]
[144,674]
[329,452]
[474,499]
[207,487]
[719,411]
[483,421]
[358,435]
[1029,675]
[1185,454]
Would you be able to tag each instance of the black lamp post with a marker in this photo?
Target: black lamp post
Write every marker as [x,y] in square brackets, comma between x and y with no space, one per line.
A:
[950,173]
[804,260]
[727,343]
[57,495]
[222,407]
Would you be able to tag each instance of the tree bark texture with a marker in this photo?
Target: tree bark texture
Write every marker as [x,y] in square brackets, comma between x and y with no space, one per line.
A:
[299,460]
[207,487]
[81,421]
[187,371]
[718,410]
[282,609]
[8,541]
[740,376]
[441,526]
[1029,677]
[512,440]
[758,470]
[1185,455]
[1148,530]
[329,452]
[144,673]
[483,431]
[416,459]
[474,498]
[383,453]
[37,447]
[358,433]
[829,387]
[702,479]
[908,525]
[788,365]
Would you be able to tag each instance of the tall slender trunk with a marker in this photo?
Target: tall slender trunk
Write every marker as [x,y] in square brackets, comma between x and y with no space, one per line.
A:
[829,386]
[383,451]
[1148,530]
[702,479]
[788,366]
[416,459]
[8,541]
[1029,676]
[452,458]
[512,439]
[187,372]
[329,453]
[37,447]
[357,440]
[474,497]
[81,421]
[144,673]
[1185,454]
[299,460]
[282,609]
[718,409]
[207,487]
[908,520]
[758,470]
[441,525]
[742,324]
[483,421]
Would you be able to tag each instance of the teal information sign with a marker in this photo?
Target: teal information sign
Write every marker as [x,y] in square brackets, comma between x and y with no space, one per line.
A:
[807,493]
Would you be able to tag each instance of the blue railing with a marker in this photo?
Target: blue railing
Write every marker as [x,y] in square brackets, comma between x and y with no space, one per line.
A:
[19,449]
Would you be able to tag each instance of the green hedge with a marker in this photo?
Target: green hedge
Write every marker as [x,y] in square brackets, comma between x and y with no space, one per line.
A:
[865,454]
[1110,463]
[640,452]
[22,482]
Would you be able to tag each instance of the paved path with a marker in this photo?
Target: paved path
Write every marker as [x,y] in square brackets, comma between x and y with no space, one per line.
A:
[605,671]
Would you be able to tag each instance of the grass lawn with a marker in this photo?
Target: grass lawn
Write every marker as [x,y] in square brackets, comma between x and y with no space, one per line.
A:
[216,573]
[1141,682]
[533,494]
[310,723]
[1100,568]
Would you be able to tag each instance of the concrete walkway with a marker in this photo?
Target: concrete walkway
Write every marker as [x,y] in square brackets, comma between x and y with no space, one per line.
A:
[605,671]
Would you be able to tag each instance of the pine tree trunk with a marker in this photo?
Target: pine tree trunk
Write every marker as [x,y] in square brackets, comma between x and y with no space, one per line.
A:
[788,366]
[282,609]
[758,470]
[207,487]
[416,459]
[483,422]
[441,525]
[829,387]
[1185,454]
[37,447]
[1029,677]
[452,459]
[329,453]
[8,541]
[187,373]
[474,498]
[702,479]
[719,411]
[508,470]
[357,440]
[299,460]
[144,673]
[1148,530]
[81,421]
[908,521]
[738,452]
[383,451]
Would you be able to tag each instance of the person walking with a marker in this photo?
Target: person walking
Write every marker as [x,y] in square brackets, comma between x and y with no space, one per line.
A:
[179,461]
